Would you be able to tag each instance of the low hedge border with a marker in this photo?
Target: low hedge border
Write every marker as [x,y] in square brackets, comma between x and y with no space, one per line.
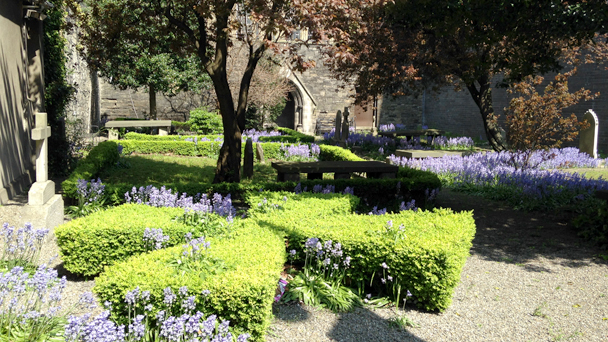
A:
[242,292]
[90,243]
[427,261]
[101,156]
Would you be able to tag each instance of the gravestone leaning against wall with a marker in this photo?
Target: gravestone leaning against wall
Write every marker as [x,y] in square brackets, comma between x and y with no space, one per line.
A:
[588,136]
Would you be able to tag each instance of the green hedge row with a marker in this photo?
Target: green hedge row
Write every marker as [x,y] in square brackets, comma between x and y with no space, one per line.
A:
[90,243]
[149,137]
[426,259]
[337,153]
[242,285]
[290,136]
[101,156]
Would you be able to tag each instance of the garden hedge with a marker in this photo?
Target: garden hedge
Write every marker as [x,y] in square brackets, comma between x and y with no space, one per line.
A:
[242,287]
[290,136]
[101,156]
[148,137]
[427,260]
[90,243]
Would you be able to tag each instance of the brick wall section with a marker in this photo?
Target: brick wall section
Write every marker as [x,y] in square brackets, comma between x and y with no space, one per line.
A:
[456,112]
[406,110]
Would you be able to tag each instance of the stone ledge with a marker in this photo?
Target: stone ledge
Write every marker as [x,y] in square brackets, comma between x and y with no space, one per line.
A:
[49,215]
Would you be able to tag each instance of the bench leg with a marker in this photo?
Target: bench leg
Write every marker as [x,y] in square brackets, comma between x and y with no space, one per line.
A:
[112,134]
[341,175]
[284,177]
[163,131]
[315,176]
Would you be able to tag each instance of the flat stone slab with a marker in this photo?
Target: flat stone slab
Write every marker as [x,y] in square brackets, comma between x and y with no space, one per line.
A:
[342,169]
[138,123]
[419,154]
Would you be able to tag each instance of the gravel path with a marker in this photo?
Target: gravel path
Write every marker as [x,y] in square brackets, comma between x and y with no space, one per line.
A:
[529,278]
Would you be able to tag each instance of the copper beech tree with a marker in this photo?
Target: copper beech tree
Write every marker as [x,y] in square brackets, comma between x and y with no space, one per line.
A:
[402,46]
[208,28]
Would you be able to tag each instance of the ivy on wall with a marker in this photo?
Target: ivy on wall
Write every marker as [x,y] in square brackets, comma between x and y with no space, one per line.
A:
[58,91]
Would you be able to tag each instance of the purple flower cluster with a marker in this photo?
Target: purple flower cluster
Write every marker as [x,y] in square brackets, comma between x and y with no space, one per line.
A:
[163,197]
[318,188]
[326,259]
[255,135]
[301,152]
[21,246]
[186,326]
[90,192]
[411,205]
[517,177]
[376,211]
[30,301]
[154,238]
[194,248]
[460,143]
[391,127]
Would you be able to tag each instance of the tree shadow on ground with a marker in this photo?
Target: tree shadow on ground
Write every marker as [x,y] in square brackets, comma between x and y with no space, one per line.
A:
[361,324]
[522,238]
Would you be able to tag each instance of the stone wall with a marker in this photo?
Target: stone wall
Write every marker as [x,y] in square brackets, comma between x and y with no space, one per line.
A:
[16,147]
[456,112]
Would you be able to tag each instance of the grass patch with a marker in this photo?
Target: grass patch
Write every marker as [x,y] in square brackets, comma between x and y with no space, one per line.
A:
[593,173]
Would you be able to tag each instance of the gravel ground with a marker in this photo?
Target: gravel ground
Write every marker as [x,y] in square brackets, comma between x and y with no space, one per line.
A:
[529,278]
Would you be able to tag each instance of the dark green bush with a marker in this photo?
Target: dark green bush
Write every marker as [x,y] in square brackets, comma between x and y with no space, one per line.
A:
[205,122]
[427,257]
[241,291]
[90,243]
[101,156]
[592,224]
[290,136]
[148,137]
[179,126]
[177,147]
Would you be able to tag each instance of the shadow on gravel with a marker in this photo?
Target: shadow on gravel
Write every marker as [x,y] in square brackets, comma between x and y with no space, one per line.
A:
[521,238]
[359,325]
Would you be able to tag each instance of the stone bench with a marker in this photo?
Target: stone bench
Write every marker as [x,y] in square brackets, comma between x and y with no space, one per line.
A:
[290,171]
[410,133]
[164,126]
[420,154]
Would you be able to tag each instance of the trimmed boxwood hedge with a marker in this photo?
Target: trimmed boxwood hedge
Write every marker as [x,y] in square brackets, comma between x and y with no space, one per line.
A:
[149,137]
[90,243]
[428,261]
[242,292]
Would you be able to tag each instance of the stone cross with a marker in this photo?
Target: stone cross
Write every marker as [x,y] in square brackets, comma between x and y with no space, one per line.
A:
[43,189]
[338,125]
[588,136]
[345,128]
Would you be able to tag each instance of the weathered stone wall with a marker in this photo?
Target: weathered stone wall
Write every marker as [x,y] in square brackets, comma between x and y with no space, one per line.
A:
[406,110]
[456,112]
[16,148]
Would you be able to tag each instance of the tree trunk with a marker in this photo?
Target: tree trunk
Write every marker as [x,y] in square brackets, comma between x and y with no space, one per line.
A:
[152,101]
[483,100]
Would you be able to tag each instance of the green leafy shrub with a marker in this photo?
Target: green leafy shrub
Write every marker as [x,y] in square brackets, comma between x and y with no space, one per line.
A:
[592,223]
[290,136]
[337,153]
[205,122]
[426,260]
[101,156]
[148,137]
[241,291]
[181,148]
[90,243]
[180,126]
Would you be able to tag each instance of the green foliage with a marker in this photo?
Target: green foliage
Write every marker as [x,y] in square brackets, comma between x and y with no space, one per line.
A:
[256,118]
[592,223]
[90,243]
[206,122]
[179,126]
[58,92]
[241,292]
[101,156]
[148,137]
[290,136]
[427,261]
[180,148]
[333,153]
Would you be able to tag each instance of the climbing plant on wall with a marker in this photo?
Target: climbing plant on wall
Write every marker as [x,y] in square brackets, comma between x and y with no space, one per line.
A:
[58,92]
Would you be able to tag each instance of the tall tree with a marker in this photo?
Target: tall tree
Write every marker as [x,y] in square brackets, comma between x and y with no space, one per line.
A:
[208,28]
[400,46]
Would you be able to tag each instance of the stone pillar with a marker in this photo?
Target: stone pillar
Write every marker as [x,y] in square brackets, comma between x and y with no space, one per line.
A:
[44,207]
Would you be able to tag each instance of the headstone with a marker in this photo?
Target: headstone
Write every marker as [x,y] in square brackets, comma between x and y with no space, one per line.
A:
[44,207]
[588,136]
[345,127]
[338,126]
[248,167]
[259,151]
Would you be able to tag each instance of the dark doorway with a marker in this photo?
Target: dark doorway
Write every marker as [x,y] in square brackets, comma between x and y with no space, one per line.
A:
[287,117]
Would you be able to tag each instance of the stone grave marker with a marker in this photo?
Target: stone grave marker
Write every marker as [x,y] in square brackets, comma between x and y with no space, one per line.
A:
[345,128]
[338,124]
[588,136]
[259,151]
[248,164]
[44,207]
